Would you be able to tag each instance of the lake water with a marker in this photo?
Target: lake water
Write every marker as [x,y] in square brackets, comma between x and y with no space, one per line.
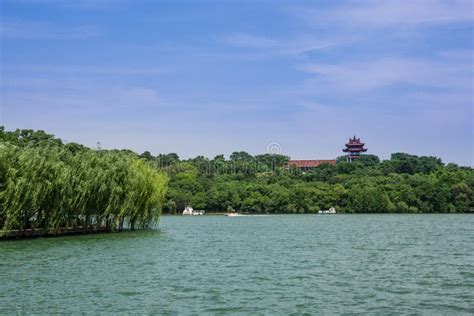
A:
[271,265]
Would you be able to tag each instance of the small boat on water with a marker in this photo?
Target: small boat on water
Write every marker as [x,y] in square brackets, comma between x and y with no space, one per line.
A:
[332,210]
[188,210]
[232,214]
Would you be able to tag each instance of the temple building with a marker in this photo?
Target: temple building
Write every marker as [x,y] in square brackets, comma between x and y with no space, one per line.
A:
[354,148]
[307,165]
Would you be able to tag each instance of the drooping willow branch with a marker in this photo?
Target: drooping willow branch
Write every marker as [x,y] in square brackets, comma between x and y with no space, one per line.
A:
[49,187]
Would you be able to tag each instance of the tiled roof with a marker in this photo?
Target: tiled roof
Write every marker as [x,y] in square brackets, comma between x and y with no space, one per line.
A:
[310,163]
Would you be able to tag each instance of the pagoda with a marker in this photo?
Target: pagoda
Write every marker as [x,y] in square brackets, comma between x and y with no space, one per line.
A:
[354,148]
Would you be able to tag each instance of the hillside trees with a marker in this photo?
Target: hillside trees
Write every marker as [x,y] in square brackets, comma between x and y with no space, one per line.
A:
[45,183]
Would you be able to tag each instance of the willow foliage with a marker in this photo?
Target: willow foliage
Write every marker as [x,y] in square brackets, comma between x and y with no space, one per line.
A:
[51,187]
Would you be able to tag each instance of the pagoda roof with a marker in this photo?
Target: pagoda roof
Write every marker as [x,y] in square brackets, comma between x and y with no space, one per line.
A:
[355,144]
[354,149]
[354,141]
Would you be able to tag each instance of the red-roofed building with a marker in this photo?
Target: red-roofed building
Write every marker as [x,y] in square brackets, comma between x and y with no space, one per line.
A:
[354,149]
[305,165]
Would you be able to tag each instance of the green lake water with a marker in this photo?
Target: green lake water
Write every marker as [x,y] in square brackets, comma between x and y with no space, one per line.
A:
[295,264]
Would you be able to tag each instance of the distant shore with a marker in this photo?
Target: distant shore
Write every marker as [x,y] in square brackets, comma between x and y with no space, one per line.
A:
[371,213]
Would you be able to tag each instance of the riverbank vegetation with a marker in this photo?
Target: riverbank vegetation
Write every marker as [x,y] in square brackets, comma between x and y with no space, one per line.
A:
[50,187]
[262,184]
[47,184]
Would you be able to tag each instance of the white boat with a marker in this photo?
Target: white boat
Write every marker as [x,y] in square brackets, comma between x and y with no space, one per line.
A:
[332,210]
[188,210]
[232,214]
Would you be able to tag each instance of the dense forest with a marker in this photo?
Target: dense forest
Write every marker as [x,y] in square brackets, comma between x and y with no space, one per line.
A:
[46,183]
[50,186]
[261,184]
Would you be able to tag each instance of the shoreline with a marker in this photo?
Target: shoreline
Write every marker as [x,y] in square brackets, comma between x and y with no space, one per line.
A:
[268,214]
[64,232]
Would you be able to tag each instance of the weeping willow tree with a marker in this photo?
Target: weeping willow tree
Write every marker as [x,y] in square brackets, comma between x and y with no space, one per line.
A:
[50,187]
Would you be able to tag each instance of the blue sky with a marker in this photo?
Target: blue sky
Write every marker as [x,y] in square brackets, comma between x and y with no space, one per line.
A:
[212,77]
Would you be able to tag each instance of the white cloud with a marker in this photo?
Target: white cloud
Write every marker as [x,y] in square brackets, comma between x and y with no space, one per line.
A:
[381,14]
[295,46]
[351,22]
[75,4]
[43,30]
[99,70]
[253,41]
[374,74]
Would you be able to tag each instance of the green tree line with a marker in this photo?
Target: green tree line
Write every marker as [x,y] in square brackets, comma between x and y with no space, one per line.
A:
[262,184]
[47,185]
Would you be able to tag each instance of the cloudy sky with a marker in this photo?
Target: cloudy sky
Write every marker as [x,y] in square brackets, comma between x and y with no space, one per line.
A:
[212,77]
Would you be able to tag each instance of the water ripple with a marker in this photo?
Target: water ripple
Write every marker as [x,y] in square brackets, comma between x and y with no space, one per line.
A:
[292,265]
